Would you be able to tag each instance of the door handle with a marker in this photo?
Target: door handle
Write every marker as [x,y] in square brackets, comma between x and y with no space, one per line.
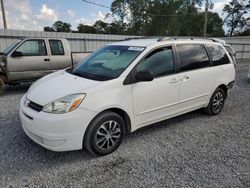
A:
[185,78]
[46,59]
[173,80]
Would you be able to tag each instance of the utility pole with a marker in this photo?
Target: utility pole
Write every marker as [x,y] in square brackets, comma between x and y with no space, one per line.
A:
[205,24]
[3,13]
[207,7]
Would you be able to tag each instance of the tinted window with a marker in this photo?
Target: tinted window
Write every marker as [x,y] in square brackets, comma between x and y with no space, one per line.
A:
[192,56]
[159,62]
[218,54]
[56,47]
[33,48]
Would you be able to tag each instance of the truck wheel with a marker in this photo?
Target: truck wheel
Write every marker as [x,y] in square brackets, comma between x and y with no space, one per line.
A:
[216,102]
[1,86]
[104,134]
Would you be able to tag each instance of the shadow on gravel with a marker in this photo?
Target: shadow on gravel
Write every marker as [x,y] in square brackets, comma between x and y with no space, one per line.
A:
[15,89]
[24,155]
[165,124]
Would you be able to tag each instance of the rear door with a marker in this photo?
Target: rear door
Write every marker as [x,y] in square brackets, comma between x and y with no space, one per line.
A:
[197,76]
[60,56]
[32,64]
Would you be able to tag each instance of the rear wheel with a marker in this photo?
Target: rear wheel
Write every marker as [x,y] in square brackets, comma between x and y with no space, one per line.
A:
[104,134]
[216,102]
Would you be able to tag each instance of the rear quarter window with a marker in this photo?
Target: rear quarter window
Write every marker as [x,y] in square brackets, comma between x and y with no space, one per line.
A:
[56,47]
[218,55]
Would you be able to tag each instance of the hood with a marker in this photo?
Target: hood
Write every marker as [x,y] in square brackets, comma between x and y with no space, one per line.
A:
[57,85]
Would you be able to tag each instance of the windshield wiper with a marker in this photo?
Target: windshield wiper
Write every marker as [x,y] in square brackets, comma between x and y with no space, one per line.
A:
[91,76]
[1,53]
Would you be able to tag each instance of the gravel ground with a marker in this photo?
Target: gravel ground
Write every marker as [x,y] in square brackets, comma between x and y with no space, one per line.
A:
[192,150]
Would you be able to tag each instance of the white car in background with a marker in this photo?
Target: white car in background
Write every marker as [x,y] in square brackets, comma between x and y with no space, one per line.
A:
[125,86]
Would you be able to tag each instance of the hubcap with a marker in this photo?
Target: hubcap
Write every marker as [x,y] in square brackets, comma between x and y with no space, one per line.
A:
[218,102]
[108,135]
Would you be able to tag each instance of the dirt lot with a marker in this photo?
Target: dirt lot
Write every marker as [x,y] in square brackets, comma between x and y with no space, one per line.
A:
[193,150]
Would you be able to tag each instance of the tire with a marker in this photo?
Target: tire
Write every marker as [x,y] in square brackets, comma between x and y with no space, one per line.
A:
[104,134]
[216,102]
[1,86]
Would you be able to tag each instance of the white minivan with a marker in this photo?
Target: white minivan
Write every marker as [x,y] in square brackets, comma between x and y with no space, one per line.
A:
[125,86]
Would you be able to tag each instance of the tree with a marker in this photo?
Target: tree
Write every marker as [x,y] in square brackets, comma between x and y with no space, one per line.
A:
[101,27]
[158,17]
[81,28]
[235,16]
[214,25]
[120,12]
[60,26]
[47,28]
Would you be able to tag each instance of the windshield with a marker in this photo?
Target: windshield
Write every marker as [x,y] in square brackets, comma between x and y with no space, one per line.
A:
[107,63]
[9,48]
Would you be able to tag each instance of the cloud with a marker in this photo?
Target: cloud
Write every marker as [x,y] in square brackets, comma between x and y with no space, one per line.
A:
[18,6]
[47,14]
[71,13]
[218,6]
[19,15]
[94,17]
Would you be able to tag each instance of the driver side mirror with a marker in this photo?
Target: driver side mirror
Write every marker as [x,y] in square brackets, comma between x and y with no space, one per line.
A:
[144,76]
[17,54]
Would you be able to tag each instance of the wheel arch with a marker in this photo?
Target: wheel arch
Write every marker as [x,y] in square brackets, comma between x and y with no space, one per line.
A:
[124,115]
[224,87]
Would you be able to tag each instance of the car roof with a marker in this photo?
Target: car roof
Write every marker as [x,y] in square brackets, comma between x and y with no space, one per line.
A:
[135,42]
[157,41]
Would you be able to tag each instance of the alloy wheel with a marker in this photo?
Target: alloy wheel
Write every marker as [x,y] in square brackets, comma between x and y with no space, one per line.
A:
[218,102]
[107,135]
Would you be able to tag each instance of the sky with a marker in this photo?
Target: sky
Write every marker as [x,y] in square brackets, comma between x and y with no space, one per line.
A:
[36,14]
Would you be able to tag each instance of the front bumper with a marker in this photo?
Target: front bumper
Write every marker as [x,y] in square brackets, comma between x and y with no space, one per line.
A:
[56,132]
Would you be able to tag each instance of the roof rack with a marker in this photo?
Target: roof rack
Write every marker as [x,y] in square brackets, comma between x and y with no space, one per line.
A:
[142,37]
[168,38]
[191,38]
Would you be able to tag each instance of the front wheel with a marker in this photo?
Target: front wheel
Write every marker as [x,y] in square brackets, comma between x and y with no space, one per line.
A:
[216,102]
[104,134]
[1,86]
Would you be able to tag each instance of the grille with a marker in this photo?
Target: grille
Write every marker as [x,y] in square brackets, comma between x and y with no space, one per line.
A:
[35,106]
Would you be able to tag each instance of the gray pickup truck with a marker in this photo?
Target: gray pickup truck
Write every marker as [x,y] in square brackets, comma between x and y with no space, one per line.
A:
[28,59]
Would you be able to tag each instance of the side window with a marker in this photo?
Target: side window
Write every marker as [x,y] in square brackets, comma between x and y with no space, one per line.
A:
[33,48]
[159,62]
[218,54]
[56,47]
[192,56]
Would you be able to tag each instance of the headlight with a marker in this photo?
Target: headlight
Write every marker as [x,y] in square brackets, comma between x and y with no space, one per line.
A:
[64,104]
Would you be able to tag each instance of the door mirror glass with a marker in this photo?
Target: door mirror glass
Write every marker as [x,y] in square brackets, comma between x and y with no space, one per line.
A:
[17,54]
[144,76]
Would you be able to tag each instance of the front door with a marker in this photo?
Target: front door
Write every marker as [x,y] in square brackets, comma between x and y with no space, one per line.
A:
[155,100]
[33,62]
